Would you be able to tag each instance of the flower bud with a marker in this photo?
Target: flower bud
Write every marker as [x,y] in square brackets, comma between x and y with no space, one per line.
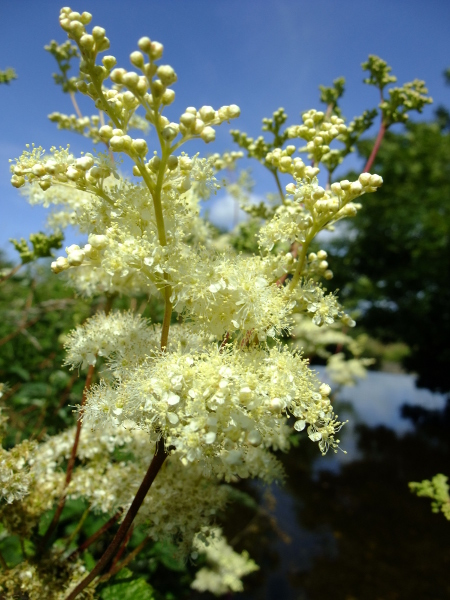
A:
[172,162]
[106,132]
[322,255]
[156,50]
[157,88]
[375,180]
[198,126]
[98,241]
[76,29]
[109,61]
[207,113]
[98,33]
[17,181]
[140,146]
[166,74]
[142,85]
[117,75]
[208,134]
[356,187]
[75,258]
[145,44]
[38,170]
[233,111]
[85,18]
[60,264]
[137,59]
[117,143]
[154,164]
[85,162]
[345,184]
[169,133]
[364,179]
[82,87]
[168,97]
[44,184]
[285,162]
[130,79]
[187,119]
[73,174]
[86,41]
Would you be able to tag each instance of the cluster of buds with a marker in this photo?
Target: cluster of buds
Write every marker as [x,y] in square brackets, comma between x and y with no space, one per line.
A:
[411,96]
[318,264]
[76,256]
[75,23]
[61,167]
[326,207]
[197,123]
[283,161]
[318,132]
[120,142]
[227,160]
[87,126]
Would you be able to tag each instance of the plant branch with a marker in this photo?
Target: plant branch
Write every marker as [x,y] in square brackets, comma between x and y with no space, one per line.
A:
[155,466]
[376,147]
[94,537]
[11,273]
[277,179]
[75,105]
[127,559]
[70,466]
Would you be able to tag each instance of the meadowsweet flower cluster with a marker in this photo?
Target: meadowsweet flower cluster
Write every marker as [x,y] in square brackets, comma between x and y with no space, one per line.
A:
[205,394]
[225,567]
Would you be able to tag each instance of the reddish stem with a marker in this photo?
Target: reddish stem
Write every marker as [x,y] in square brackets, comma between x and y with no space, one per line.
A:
[121,550]
[70,465]
[375,148]
[94,537]
[155,466]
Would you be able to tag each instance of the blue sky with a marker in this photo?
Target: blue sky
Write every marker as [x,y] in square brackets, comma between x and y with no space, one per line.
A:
[259,54]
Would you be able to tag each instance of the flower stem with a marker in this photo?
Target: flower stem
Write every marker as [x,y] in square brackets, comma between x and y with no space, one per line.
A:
[155,466]
[70,467]
[376,147]
[11,273]
[94,537]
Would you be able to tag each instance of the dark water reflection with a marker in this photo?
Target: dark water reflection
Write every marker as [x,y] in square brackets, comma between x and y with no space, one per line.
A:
[356,532]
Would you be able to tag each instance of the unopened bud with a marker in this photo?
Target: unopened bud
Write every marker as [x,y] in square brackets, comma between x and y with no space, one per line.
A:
[166,74]
[156,50]
[168,97]
[208,134]
[145,44]
[172,162]
[140,147]
[137,59]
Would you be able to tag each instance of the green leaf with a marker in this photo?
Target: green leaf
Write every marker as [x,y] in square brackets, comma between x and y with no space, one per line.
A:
[125,588]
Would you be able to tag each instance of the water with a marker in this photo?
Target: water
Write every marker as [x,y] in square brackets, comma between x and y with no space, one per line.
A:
[355,531]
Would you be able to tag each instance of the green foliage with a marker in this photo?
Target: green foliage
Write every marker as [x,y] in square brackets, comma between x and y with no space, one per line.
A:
[438,490]
[42,244]
[331,95]
[125,586]
[397,250]
[7,76]
[63,54]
